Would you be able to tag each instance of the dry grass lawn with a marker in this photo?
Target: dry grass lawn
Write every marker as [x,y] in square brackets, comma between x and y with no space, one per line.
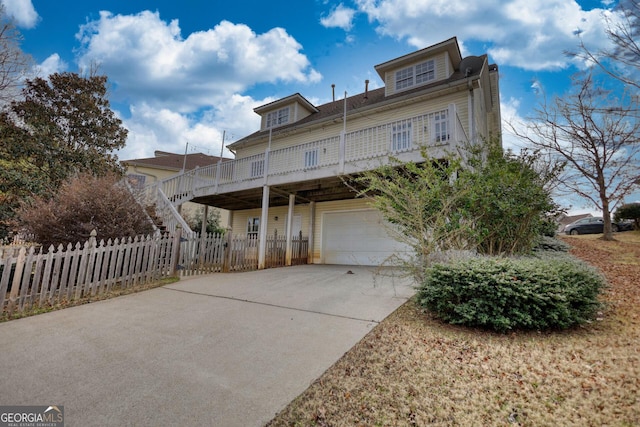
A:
[414,370]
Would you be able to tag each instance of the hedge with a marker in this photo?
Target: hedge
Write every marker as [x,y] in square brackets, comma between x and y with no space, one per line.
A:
[506,294]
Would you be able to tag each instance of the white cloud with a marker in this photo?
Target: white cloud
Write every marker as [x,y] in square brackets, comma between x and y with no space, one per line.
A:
[187,88]
[149,60]
[151,128]
[512,119]
[532,35]
[22,11]
[339,17]
[53,64]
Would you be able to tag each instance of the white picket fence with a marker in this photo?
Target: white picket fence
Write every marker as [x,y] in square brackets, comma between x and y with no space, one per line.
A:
[31,278]
[214,253]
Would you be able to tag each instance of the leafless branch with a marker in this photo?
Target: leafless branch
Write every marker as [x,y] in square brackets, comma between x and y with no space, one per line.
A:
[597,135]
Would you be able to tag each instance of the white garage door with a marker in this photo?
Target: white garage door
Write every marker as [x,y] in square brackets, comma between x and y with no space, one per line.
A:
[356,238]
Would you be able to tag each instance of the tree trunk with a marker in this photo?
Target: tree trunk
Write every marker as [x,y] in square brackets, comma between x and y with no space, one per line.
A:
[606,218]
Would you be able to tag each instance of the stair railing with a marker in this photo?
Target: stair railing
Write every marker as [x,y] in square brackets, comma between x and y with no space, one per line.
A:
[169,215]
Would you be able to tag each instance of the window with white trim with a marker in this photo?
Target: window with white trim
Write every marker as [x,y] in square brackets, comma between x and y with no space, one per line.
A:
[425,72]
[441,126]
[421,73]
[136,181]
[401,135]
[311,158]
[253,226]
[278,117]
[257,168]
[404,78]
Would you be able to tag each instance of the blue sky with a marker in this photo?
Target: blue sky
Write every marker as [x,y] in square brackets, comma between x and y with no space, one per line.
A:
[184,72]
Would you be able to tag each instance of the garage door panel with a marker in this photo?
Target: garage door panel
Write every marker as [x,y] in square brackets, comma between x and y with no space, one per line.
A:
[357,238]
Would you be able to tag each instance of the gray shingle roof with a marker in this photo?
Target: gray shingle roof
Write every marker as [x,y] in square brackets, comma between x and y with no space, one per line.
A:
[355,102]
[172,161]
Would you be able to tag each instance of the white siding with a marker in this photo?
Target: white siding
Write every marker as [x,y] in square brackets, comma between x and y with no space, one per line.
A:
[240,218]
[358,123]
[296,112]
[368,242]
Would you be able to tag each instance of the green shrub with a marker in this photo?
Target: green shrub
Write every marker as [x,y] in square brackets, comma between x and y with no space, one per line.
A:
[506,294]
[628,211]
[551,244]
[548,227]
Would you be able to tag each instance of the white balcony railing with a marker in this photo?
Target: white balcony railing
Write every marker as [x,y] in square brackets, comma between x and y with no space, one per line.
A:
[435,129]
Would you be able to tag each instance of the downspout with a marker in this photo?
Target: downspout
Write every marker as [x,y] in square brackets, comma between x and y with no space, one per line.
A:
[472,119]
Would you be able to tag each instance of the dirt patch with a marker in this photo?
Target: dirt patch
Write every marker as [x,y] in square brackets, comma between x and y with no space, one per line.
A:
[414,370]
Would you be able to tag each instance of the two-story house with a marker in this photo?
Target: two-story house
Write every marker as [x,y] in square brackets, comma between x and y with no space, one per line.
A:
[287,177]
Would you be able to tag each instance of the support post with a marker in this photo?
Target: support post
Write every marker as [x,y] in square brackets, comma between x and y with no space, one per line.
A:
[288,253]
[343,136]
[218,168]
[230,221]
[215,189]
[226,266]
[312,230]
[341,152]
[262,242]
[205,216]
[203,234]
[175,256]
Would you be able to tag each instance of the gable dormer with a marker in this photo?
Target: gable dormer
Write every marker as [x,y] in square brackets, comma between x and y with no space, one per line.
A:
[284,111]
[420,68]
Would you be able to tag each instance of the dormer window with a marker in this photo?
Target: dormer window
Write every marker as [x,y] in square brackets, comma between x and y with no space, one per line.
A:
[284,111]
[404,78]
[416,74]
[278,117]
[425,72]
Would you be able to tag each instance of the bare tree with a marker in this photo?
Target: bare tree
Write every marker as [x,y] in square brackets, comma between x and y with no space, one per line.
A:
[14,64]
[597,135]
[622,60]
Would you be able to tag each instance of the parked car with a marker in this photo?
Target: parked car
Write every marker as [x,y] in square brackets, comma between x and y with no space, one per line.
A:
[595,225]
[626,225]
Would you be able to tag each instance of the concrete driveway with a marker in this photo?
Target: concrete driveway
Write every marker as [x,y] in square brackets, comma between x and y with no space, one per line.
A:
[215,350]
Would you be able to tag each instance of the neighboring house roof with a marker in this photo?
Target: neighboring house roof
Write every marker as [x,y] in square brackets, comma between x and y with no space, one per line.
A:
[174,162]
[568,219]
[363,101]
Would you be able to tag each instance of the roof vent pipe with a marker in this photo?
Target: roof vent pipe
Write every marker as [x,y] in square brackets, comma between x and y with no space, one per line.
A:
[333,92]
[366,89]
